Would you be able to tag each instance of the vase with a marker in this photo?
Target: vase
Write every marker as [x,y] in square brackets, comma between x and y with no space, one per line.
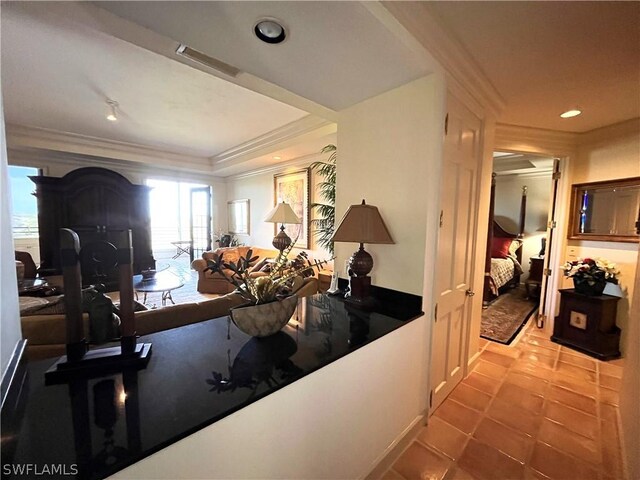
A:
[581,285]
[264,319]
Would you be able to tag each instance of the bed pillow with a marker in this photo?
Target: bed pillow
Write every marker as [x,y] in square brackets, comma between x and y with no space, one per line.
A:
[500,247]
[513,248]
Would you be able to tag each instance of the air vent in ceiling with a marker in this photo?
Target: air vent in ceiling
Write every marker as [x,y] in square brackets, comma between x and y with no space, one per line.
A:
[207,61]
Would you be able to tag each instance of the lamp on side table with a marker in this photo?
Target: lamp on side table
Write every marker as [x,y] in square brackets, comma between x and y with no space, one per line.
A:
[282,213]
[361,224]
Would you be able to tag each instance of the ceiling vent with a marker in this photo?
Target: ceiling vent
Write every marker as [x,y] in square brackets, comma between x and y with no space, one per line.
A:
[207,61]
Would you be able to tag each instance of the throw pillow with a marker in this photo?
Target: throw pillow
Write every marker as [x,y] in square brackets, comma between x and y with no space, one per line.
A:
[28,305]
[54,306]
[500,247]
[228,254]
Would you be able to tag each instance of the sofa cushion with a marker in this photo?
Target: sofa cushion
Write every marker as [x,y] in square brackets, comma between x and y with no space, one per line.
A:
[173,316]
[47,329]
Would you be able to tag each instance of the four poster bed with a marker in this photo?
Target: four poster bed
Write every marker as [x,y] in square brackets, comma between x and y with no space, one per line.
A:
[504,252]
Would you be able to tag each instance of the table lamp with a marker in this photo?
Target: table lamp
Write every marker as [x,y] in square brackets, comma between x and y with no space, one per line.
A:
[282,213]
[361,224]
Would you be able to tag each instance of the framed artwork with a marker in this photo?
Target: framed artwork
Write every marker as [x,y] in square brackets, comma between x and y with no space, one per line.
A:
[293,188]
[238,211]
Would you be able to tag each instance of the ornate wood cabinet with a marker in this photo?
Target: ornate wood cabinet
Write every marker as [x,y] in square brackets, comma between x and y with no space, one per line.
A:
[588,324]
[92,201]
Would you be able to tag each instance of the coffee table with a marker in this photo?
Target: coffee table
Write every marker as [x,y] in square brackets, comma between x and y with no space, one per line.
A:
[163,282]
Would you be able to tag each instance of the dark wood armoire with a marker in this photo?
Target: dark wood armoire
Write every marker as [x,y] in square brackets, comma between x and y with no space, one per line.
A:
[94,202]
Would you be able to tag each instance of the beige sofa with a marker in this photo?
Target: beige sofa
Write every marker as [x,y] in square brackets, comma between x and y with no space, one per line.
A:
[46,334]
[209,282]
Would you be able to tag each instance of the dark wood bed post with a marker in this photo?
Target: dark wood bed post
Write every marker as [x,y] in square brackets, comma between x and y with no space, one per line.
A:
[523,213]
[486,294]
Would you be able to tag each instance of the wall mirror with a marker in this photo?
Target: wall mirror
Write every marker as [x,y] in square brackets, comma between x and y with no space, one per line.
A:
[606,211]
[238,211]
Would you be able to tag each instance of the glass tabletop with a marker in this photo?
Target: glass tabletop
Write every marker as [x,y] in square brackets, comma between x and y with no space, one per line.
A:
[162,282]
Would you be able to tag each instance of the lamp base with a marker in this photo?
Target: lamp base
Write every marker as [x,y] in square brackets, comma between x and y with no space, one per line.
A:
[359,286]
[358,295]
[281,240]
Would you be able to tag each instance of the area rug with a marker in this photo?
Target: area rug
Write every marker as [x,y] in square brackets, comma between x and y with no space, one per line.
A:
[503,319]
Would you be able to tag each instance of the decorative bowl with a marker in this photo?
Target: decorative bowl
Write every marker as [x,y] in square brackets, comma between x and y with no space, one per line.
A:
[264,319]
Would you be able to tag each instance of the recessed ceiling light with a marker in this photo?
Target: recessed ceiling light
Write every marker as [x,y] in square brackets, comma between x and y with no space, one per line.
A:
[112,115]
[571,113]
[270,30]
[277,158]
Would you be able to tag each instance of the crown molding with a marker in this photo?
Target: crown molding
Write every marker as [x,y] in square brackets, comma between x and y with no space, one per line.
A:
[514,138]
[24,137]
[44,159]
[277,168]
[306,128]
[461,68]
[617,130]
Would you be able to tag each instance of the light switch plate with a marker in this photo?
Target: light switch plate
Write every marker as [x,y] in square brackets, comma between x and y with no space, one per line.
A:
[578,320]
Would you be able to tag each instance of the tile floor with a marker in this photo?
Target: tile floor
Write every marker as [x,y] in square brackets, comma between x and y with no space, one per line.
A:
[534,410]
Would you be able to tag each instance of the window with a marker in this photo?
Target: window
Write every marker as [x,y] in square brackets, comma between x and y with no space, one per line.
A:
[23,203]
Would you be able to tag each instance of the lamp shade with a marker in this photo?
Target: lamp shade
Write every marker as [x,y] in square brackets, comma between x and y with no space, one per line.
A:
[282,213]
[362,224]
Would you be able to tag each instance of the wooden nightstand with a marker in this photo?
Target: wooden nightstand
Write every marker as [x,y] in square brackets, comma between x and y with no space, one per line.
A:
[535,276]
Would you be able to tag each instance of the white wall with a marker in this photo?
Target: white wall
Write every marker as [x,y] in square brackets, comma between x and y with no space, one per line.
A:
[507,210]
[10,332]
[390,155]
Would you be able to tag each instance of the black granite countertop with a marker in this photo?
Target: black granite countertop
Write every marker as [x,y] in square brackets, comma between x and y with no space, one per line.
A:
[197,375]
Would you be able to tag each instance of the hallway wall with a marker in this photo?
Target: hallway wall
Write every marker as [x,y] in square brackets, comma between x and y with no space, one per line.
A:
[606,154]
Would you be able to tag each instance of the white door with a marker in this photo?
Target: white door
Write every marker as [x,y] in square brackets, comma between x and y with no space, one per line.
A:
[550,238]
[456,248]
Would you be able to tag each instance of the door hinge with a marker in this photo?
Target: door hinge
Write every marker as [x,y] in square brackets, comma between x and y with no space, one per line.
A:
[552,224]
[556,175]
[441,217]
[430,398]
[435,313]
[446,124]
[546,272]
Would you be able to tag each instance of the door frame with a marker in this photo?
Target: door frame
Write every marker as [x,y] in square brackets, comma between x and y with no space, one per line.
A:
[551,298]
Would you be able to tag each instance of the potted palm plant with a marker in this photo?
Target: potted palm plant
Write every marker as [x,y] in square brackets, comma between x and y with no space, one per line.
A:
[324,226]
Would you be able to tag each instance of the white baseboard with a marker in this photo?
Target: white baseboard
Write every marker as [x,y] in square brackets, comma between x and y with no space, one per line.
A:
[395,449]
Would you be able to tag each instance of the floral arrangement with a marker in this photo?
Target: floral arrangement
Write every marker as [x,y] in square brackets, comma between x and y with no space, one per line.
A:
[592,271]
[275,285]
